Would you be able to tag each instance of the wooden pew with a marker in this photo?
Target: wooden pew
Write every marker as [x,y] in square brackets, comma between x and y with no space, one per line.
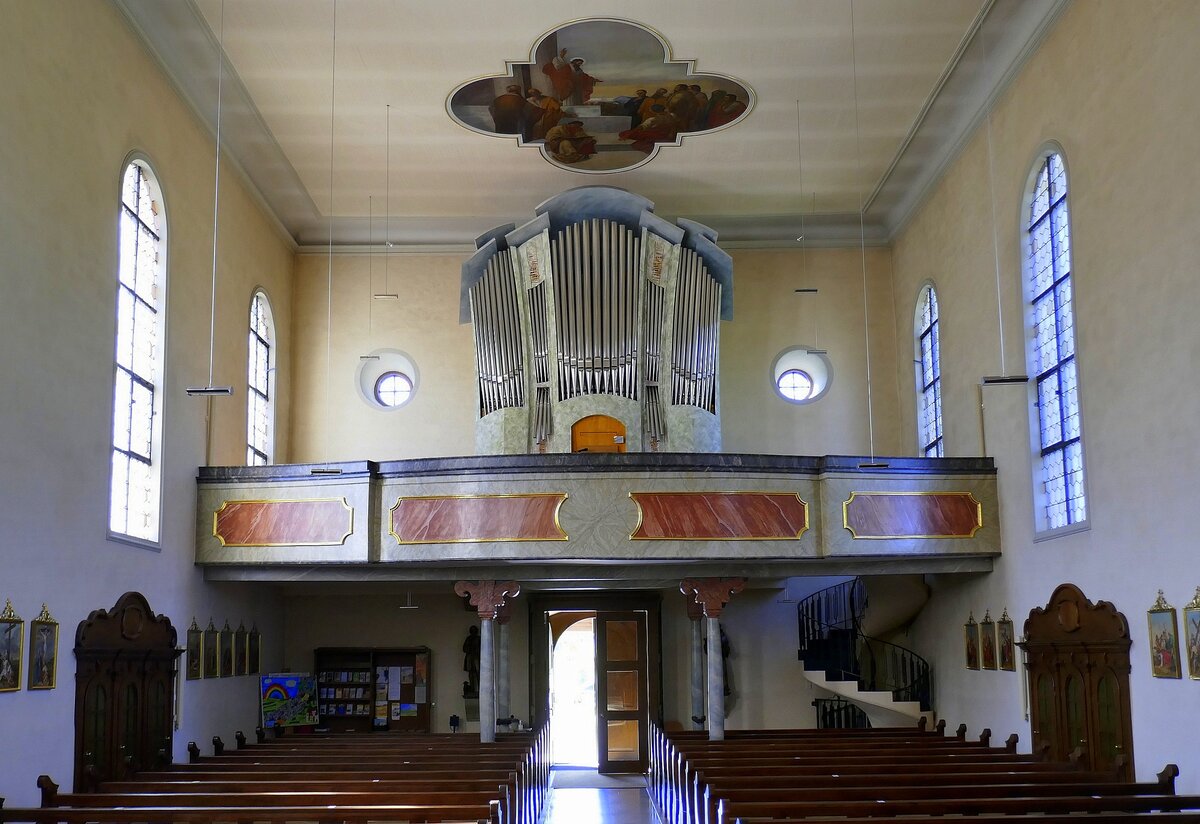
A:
[729,812]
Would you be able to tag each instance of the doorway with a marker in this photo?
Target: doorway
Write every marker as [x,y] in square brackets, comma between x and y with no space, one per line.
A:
[597,675]
[598,433]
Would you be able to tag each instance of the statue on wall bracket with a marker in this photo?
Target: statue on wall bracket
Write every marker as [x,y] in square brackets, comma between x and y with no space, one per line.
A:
[600,95]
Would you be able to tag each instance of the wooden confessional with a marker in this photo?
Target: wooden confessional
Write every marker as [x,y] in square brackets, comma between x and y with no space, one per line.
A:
[1078,661]
[124,691]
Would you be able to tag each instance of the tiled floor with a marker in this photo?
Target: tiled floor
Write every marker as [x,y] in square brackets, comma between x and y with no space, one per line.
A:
[593,806]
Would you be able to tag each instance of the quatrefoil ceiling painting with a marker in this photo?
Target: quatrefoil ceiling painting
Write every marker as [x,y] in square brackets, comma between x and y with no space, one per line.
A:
[600,95]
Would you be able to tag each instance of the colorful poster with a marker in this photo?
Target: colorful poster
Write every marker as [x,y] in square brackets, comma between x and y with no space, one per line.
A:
[288,700]
[406,675]
[408,710]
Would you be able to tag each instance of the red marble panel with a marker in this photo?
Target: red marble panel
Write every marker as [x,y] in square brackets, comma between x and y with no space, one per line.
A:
[315,522]
[719,516]
[912,514]
[453,519]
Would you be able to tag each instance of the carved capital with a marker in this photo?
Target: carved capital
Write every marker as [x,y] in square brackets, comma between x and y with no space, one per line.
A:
[487,596]
[712,593]
[694,611]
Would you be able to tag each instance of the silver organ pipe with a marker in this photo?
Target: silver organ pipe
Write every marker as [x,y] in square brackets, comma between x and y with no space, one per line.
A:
[498,345]
[694,335]
[596,272]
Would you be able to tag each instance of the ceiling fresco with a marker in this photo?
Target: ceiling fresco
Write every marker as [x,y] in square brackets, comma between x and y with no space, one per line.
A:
[600,95]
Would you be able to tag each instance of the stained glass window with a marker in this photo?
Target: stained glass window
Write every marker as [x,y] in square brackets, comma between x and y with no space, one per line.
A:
[929,380]
[1063,500]
[260,403]
[135,483]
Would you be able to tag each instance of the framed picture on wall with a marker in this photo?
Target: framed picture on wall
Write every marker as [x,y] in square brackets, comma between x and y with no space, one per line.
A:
[1191,634]
[12,634]
[1164,640]
[971,642]
[1006,643]
[212,651]
[987,641]
[240,651]
[194,663]
[43,651]
[254,650]
[226,651]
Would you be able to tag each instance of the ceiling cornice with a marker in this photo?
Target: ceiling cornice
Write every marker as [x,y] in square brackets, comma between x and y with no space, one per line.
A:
[1001,39]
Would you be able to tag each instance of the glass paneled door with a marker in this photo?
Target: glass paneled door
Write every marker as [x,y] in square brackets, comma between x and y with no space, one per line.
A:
[622,702]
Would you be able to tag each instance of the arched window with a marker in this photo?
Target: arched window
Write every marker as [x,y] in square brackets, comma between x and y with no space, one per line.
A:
[929,375]
[136,480]
[1059,489]
[260,397]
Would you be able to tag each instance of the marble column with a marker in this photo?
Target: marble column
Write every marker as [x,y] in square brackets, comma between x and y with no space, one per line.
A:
[712,594]
[695,613]
[502,684]
[488,598]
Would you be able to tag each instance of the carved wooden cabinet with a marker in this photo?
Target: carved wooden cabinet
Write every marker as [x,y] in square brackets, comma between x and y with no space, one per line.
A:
[124,691]
[1078,662]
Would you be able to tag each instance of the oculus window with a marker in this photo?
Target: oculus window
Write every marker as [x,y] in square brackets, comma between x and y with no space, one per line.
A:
[135,485]
[929,376]
[393,389]
[1061,499]
[801,374]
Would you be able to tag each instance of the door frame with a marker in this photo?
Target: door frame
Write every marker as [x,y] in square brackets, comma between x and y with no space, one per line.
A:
[599,601]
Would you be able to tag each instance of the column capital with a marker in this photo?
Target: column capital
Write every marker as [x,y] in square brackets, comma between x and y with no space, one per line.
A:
[694,611]
[712,594]
[487,596]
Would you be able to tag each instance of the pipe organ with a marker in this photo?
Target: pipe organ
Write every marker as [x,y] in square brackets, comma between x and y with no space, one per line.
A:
[597,307]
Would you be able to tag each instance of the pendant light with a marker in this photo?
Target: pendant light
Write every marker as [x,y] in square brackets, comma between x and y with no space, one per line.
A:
[209,390]
[806,290]
[329,267]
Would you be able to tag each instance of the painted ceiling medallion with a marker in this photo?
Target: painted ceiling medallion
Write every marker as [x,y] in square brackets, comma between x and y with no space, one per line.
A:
[598,96]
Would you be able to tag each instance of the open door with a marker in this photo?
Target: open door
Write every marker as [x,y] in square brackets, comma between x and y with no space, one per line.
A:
[622,696]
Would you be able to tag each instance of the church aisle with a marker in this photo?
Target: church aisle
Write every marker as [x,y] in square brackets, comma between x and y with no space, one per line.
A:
[600,806]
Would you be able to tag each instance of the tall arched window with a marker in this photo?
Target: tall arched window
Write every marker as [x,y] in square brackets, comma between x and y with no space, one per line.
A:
[1059,489]
[260,397]
[929,375]
[136,481]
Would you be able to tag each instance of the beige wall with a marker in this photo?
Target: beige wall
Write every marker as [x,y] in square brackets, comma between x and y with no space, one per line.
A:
[333,422]
[1111,84]
[80,94]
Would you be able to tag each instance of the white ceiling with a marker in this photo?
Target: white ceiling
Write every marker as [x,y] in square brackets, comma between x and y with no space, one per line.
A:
[885,90]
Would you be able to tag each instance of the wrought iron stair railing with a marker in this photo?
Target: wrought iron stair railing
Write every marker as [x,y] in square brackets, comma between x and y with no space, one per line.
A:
[840,714]
[831,640]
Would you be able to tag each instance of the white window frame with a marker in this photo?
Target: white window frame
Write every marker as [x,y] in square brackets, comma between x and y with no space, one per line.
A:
[1043,528]
[928,395]
[155,380]
[253,339]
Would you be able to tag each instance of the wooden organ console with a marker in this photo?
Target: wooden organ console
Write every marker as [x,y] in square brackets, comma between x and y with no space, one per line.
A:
[597,307]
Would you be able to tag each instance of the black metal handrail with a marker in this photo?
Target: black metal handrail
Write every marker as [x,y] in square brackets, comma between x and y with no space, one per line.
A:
[840,714]
[831,640]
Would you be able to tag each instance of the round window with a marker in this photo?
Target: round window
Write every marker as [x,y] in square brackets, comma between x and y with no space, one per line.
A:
[801,375]
[795,385]
[393,389]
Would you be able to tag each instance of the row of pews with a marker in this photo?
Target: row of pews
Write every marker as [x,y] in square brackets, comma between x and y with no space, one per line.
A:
[878,776]
[327,779]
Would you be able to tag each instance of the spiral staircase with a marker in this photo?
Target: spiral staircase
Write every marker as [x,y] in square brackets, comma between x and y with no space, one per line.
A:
[891,684]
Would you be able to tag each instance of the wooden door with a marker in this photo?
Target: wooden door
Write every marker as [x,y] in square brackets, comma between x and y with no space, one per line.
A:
[622,697]
[598,433]
[1078,662]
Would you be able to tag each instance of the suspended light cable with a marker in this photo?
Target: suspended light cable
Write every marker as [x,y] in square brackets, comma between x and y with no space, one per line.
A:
[992,198]
[387,189]
[862,236]
[329,270]
[208,389]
